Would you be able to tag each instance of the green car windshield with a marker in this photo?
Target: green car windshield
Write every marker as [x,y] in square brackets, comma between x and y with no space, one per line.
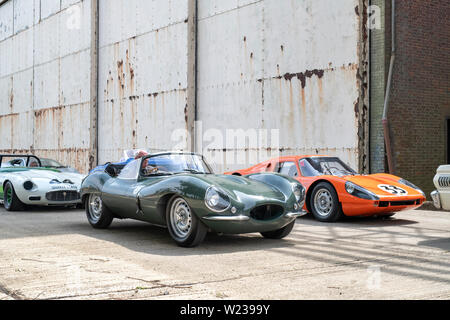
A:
[166,164]
[175,163]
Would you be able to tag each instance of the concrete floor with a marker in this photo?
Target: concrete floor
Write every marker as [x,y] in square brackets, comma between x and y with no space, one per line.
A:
[55,254]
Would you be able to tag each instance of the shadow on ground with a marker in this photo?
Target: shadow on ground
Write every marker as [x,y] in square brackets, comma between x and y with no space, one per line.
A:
[354,241]
[443,244]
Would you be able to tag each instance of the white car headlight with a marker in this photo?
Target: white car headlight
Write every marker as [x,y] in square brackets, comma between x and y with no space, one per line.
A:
[216,199]
[29,185]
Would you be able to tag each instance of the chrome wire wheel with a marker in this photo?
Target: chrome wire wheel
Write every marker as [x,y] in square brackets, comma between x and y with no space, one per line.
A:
[180,218]
[95,207]
[323,202]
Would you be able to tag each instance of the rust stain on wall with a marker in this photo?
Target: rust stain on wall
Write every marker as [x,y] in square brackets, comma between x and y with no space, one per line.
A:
[303,110]
[361,105]
[320,85]
[301,76]
[291,108]
[11,101]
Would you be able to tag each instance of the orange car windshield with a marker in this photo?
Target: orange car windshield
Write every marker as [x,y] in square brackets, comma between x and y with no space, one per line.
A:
[312,167]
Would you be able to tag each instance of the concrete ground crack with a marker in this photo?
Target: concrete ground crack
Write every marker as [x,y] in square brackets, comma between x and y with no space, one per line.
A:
[36,260]
[12,294]
[158,284]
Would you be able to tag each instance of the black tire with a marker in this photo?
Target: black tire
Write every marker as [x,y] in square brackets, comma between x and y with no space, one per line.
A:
[331,210]
[99,216]
[195,230]
[280,233]
[80,206]
[15,204]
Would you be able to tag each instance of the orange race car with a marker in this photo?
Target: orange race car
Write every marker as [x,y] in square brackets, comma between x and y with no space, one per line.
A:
[333,189]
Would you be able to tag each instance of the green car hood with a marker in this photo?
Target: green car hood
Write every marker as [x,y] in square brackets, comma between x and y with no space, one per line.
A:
[241,188]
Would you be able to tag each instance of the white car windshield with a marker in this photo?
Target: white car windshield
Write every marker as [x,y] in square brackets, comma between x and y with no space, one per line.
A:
[49,163]
[18,161]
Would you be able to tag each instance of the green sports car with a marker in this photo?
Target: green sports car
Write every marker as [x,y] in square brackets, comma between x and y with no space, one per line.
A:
[180,191]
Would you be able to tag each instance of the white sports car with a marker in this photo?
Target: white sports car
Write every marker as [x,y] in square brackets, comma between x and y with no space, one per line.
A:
[441,196]
[26,180]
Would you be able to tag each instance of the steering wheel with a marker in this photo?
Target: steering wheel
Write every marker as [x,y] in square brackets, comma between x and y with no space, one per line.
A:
[335,169]
[148,170]
[16,163]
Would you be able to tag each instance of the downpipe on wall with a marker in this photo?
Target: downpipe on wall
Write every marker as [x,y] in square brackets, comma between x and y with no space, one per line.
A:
[386,127]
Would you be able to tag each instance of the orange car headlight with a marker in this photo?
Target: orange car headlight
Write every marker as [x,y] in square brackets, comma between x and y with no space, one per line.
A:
[360,192]
[411,185]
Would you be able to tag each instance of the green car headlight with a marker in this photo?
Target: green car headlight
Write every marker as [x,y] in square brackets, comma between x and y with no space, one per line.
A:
[299,192]
[216,199]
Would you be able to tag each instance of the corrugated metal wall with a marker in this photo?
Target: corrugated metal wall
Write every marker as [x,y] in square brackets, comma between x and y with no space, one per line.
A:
[262,64]
[287,65]
[44,79]
[142,74]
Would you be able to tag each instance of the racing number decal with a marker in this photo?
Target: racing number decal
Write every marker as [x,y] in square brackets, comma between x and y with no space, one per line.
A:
[393,190]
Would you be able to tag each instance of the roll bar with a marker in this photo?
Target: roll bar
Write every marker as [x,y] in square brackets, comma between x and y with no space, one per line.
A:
[24,156]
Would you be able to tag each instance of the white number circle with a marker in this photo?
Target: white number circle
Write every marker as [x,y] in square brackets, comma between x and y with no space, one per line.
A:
[393,190]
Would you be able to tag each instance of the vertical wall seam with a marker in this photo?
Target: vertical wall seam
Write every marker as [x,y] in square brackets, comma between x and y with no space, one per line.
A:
[191,109]
[33,115]
[263,66]
[94,86]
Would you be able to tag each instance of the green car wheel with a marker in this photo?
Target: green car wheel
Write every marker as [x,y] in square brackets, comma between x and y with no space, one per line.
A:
[98,215]
[10,199]
[184,227]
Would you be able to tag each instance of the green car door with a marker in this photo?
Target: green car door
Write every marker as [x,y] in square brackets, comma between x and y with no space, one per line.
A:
[120,193]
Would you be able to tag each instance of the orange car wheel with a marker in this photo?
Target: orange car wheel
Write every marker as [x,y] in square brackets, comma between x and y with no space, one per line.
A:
[324,203]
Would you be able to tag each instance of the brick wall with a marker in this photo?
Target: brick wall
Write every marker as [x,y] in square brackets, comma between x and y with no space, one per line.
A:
[420,90]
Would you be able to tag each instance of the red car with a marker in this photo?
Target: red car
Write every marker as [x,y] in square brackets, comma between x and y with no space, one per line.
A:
[333,189]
